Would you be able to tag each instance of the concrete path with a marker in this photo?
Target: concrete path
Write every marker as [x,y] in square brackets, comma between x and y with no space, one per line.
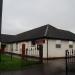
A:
[53,67]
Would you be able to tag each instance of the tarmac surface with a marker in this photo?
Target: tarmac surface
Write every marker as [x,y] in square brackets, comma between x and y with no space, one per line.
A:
[52,67]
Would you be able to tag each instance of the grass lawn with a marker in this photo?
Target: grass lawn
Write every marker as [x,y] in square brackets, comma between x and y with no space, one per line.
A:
[7,64]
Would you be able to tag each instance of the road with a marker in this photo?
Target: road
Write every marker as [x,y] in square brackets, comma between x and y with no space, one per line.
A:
[53,67]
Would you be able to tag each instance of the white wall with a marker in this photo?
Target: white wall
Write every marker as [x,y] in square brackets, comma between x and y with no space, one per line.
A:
[0,45]
[52,50]
[58,52]
[8,48]
[45,49]
[33,52]
[15,48]
[74,45]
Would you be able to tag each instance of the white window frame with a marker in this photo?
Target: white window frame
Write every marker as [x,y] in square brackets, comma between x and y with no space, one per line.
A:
[70,44]
[58,43]
[16,46]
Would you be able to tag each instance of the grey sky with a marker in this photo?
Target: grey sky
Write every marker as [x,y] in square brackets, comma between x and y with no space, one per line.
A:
[23,15]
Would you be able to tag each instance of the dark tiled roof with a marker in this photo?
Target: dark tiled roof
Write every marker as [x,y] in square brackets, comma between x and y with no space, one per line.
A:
[46,31]
[60,34]
[7,38]
[32,34]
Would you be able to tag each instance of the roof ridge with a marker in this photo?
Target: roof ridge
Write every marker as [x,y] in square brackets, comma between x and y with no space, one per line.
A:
[46,31]
[31,29]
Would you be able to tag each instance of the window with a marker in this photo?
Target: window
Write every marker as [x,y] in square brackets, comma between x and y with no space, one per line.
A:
[58,46]
[16,46]
[58,43]
[3,45]
[70,44]
[11,46]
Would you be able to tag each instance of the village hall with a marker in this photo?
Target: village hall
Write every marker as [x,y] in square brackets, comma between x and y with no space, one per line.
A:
[45,41]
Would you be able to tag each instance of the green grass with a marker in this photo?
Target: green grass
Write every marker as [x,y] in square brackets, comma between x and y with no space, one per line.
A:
[7,64]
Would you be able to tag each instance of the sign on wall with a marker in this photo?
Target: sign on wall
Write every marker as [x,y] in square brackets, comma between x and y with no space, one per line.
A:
[40,41]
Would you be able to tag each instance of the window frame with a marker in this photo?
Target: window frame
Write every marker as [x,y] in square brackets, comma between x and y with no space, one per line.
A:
[58,43]
[16,46]
[70,44]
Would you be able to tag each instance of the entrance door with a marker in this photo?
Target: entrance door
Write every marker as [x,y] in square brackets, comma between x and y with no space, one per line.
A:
[23,50]
[40,52]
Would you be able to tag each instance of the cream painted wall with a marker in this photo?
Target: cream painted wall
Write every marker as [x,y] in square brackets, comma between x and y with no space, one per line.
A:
[8,48]
[15,48]
[58,52]
[74,45]
[52,50]
[0,45]
[45,49]
[33,52]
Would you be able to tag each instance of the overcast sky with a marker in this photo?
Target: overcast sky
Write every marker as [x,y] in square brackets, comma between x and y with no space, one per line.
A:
[23,15]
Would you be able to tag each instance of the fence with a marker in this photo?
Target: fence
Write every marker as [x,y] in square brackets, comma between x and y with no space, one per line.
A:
[70,61]
[27,57]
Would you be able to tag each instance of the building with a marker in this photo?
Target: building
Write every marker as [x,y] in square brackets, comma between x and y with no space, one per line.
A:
[45,41]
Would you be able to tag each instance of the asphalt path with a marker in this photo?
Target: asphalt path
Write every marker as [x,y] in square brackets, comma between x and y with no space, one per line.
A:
[52,67]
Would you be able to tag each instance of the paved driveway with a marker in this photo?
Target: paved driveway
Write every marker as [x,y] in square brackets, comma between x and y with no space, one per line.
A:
[53,67]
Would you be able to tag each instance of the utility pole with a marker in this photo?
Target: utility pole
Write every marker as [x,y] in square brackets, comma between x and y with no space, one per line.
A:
[1,4]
